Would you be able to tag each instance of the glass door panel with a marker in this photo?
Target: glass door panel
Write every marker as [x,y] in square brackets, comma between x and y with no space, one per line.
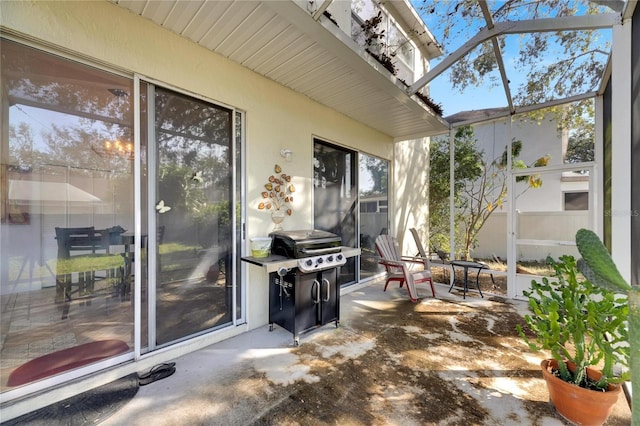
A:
[193,216]
[336,198]
[66,196]
[374,213]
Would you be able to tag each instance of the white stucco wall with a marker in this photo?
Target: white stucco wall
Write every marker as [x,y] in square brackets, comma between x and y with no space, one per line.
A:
[547,225]
[276,117]
[411,178]
[538,140]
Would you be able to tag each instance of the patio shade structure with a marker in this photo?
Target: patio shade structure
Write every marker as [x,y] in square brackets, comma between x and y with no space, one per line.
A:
[49,193]
[297,46]
[306,52]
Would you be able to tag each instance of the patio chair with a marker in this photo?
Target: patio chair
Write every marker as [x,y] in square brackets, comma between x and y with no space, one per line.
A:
[421,251]
[402,268]
[82,252]
[423,254]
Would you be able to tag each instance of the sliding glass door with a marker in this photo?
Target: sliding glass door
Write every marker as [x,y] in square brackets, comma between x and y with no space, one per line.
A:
[66,200]
[351,195]
[193,193]
[374,210]
[335,198]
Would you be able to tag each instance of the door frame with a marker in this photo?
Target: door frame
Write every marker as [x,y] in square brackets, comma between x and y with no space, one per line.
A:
[237,247]
[514,278]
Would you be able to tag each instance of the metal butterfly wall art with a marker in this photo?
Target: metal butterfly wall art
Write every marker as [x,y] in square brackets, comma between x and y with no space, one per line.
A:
[161,208]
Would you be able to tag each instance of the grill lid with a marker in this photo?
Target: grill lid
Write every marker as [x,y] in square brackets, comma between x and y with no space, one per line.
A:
[306,236]
[304,243]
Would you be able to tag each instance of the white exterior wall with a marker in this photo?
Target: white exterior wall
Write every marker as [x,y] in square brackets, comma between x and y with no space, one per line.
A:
[542,225]
[410,192]
[276,117]
[538,140]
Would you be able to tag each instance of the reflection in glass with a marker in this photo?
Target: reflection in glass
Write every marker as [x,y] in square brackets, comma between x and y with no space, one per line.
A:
[193,214]
[335,198]
[66,207]
[374,215]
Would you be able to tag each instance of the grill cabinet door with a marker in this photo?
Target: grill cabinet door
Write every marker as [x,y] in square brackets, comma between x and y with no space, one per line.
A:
[329,296]
[307,302]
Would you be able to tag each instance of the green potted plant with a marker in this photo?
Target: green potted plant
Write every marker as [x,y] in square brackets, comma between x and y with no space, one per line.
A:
[583,327]
[600,269]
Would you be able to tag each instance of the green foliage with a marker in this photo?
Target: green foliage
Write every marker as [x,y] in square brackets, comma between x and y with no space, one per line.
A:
[580,56]
[480,188]
[578,322]
[557,64]
[468,164]
[88,262]
[581,145]
[379,170]
[598,265]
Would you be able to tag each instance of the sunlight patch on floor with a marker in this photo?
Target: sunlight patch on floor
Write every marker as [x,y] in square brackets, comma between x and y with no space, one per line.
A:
[280,366]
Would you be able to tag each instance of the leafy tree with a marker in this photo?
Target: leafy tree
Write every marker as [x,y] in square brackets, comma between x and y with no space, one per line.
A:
[379,171]
[582,53]
[580,56]
[480,188]
[481,197]
[467,166]
[580,147]
[556,64]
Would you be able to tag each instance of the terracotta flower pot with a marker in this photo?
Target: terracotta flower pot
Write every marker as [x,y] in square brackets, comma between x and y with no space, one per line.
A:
[579,405]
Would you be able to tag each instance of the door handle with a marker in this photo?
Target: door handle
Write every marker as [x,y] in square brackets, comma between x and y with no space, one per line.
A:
[315,292]
[328,292]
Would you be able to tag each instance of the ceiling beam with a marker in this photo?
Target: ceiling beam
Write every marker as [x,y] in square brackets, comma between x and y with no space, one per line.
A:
[527,108]
[565,23]
[324,6]
[497,52]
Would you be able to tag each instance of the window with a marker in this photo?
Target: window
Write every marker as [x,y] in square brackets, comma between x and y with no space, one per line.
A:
[374,219]
[394,43]
[368,207]
[576,200]
[335,198]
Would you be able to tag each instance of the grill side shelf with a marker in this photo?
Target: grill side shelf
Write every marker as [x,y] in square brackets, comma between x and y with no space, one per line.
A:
[274,262]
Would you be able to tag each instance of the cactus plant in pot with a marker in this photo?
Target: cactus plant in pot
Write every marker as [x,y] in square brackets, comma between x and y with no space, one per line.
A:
[583,327]
[596,264]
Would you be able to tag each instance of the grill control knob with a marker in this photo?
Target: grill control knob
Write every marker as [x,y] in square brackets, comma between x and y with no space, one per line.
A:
[330,259]
[339,257]
[309,262]
[320,260]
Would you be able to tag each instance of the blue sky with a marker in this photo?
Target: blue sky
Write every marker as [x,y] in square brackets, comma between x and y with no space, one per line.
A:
[472,98]
[491,94]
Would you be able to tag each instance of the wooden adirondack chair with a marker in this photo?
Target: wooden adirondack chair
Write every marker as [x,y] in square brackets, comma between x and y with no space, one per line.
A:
[422,253]
[402,268]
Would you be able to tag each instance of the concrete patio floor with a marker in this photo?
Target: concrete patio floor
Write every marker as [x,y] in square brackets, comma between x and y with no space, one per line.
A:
[391,362]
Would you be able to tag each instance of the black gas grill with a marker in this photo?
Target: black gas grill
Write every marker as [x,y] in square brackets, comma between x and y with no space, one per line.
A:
[316,250]
[306,296]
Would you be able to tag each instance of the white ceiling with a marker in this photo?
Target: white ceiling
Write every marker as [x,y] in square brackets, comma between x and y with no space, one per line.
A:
[282,42]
